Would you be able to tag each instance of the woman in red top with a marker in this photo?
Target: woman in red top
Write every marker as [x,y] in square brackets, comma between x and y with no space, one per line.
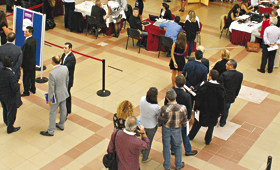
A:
[259,33]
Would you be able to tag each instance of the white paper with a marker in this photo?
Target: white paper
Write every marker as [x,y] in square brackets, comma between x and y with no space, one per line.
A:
[187,128]
[196,115]
[189,90]
[243,16]
[275,47]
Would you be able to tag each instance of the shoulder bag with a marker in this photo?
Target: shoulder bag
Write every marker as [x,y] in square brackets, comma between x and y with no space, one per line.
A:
[253,47]
[110,159]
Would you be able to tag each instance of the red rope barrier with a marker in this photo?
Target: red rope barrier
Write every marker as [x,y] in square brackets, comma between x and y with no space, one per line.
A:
[36,6]
[74,51]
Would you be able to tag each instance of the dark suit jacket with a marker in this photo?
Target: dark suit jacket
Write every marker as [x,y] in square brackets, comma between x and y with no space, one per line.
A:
[98,13]
[278,22]
[220,66]
[231,80]
[15,52]
[196,74]
[204,61]
[183,98]
[210,101]
[70,62]
[29,53]
[167,14]
[9,87]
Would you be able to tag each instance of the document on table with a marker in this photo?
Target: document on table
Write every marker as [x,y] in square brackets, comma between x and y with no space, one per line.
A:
[275,47]
[243,16]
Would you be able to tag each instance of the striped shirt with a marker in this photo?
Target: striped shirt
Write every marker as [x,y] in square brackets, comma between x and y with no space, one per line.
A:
[173,115]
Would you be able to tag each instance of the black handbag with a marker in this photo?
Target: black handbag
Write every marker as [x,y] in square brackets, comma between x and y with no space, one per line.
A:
[110,159]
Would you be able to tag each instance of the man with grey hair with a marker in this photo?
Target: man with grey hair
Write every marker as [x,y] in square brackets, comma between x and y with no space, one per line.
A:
[172,117]
[275,14]
[271,38]
[127,145]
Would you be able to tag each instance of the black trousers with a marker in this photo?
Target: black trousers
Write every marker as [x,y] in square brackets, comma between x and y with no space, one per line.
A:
[270,56]
[68,102]
[28,80]
[68,7]
[9,115]
[195,128]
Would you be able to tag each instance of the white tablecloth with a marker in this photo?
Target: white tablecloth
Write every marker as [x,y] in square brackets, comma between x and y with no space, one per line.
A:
[244,27]
[85,9]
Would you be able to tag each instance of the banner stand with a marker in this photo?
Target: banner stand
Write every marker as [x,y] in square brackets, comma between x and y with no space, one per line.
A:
[39,68]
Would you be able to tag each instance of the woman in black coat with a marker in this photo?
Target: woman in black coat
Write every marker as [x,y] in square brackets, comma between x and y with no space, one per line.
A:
[165,13]
[220,66]
[210,101]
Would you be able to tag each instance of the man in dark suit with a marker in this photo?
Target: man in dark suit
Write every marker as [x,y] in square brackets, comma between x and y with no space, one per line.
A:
[69,60]
[29,61]
[210,101]
[9,49]
[204,61]
[58,82]
[183,98]
[98,12]
[69,6]
[9,94]
[231,80]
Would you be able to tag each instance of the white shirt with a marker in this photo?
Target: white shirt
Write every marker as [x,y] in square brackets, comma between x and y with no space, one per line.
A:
[28,37]
[196,17]
[271,35]
[148,113]
[68,1]
[129,133]
[66,56]
[254,2]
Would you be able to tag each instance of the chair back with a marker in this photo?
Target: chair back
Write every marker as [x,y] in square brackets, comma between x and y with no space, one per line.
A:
[200,26]
[91,20]
[166,41]
[133,33]
[223,21]
[129,12]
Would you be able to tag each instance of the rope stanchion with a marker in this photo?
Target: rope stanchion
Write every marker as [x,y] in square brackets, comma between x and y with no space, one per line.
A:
[103,92]
[269,162]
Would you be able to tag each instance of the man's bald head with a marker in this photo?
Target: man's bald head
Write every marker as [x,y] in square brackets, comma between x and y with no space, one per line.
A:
[56,59]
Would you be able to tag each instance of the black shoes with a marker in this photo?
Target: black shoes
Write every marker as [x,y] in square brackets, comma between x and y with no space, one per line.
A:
[59,127]
[14,130]
[192,153]
[181,10]
[33,91]
[181,166]
[116,35]
[24,94]
[45,133]
[259,70]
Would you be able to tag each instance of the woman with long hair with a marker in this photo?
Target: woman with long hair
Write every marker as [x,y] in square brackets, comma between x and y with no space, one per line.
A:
[191,28]
[124,110]
[245,8]
[178,61]
[3,27]
[149,110]
[220,66]
[165,13]
[232,15]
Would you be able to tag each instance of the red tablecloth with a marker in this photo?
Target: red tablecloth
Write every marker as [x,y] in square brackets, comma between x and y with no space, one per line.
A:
[58,9]
[239,37]
[263,10]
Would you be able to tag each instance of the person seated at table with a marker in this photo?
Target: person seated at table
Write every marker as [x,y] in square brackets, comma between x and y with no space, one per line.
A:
[255,4]
[191,28]
[232,15]
[172,29]
[135,23]
[196,17]
[257,33]
[165,13]
[276,8]
[275,14]
[98,12]
[245,8]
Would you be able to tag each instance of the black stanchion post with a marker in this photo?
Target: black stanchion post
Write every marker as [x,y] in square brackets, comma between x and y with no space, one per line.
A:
[103,92]
[41,79]
[269,162]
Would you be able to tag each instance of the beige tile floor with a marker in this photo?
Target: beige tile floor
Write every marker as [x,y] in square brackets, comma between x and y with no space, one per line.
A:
[85,138]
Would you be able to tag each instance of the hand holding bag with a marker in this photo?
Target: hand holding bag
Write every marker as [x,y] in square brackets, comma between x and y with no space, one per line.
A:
[110,159]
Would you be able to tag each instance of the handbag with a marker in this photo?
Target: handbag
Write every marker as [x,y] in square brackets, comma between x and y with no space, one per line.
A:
[253,47]
[110,159]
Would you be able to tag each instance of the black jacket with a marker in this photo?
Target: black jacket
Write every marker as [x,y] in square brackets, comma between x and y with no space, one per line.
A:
[70,62]
[135,22]
[191,28]
[204,61]
[29,53]
[210,101]
[98,13]
[231,81]
[220,66]
[167,14]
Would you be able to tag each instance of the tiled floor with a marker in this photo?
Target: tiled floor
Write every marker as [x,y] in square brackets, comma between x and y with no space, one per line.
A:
[84,141]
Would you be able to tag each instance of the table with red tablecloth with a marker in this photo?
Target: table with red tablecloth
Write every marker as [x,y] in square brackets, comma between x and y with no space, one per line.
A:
[265,9]
[153,37]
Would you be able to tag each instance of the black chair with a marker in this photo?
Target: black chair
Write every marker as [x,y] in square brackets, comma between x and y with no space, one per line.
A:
[76,22]
[93,22]
[224,28]
[128,13]
[166,41]
[134,34]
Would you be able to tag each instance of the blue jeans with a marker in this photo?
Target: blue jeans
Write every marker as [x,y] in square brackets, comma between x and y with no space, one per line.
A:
[224,116]
[190,46]
[175,135]
[186,141]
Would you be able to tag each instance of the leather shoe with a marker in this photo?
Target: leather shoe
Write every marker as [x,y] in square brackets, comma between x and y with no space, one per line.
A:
[33,91]
[14,130]
[259,70]
[59,127]
[24,94]
[181,166]
[192,153]
[45,133]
